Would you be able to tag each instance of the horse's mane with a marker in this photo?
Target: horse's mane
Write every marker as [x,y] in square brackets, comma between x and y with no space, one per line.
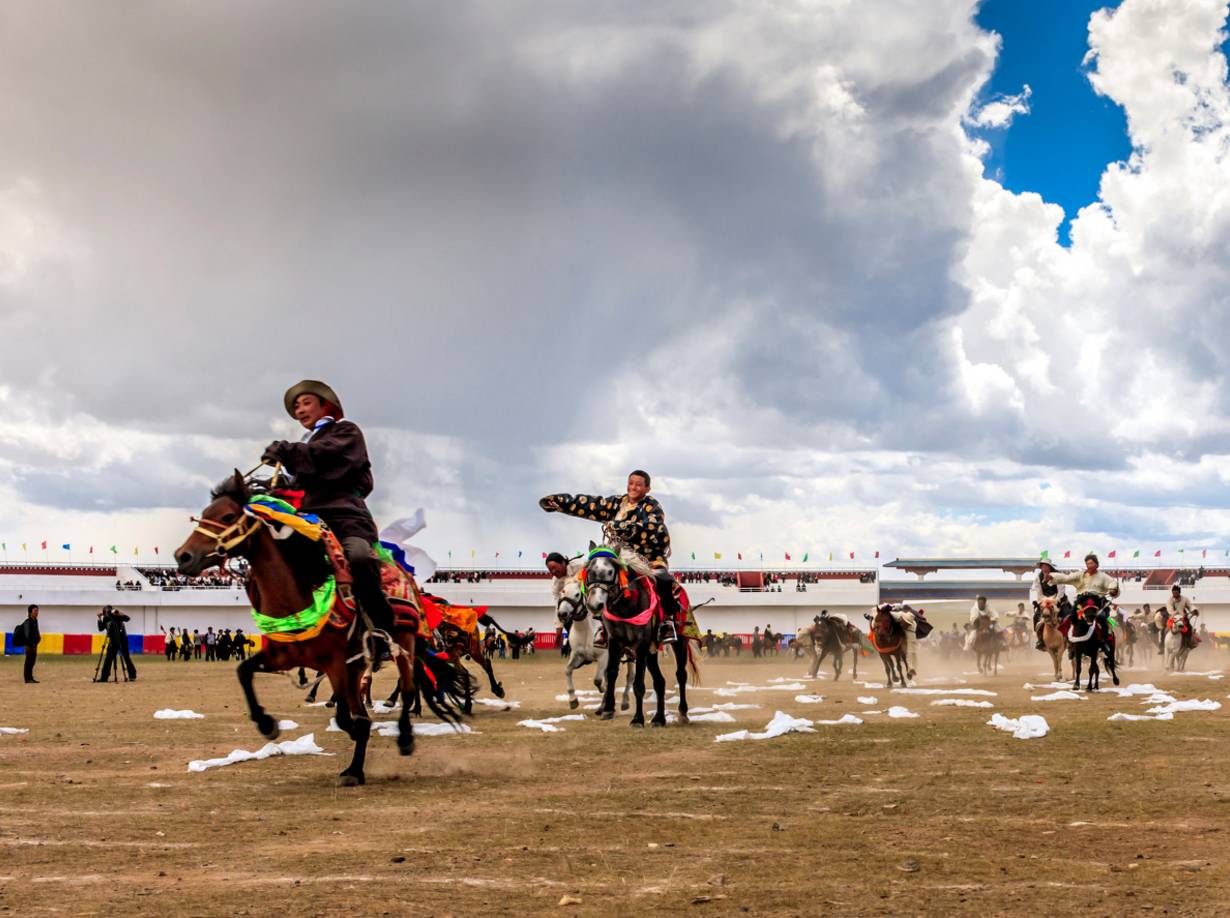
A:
[306,558]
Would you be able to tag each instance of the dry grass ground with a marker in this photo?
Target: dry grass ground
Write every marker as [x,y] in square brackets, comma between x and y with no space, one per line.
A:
[941,815]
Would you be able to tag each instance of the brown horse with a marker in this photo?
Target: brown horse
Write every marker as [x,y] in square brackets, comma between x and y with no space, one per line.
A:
[1054,640]
[284,575]
[987,644]
[888,638]
[831,636]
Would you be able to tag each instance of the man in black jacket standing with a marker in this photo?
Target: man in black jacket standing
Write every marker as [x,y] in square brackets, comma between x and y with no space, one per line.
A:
[112,621]
[32,637]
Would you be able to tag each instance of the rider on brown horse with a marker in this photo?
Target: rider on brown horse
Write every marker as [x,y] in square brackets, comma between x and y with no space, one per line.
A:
[330,465]
[1043,593]
[1092,582]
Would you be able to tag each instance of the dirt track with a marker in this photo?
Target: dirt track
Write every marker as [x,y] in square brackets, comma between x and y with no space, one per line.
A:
[938,815]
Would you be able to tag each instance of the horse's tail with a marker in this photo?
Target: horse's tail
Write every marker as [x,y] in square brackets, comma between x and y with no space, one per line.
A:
[438,681]
[693,663]
[486,619]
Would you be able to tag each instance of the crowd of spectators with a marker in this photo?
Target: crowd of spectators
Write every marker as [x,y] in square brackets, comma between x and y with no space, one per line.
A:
[459,576]
[167,578]
[182,644]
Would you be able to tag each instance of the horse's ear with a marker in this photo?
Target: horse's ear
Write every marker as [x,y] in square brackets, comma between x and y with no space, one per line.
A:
[238,483]
[592,544]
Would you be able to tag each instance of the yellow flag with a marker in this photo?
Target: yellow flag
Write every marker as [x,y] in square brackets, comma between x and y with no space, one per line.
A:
[717,556]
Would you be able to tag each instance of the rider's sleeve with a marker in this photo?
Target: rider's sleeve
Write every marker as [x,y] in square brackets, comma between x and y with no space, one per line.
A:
[331,454]
[1074,577]
[586,506]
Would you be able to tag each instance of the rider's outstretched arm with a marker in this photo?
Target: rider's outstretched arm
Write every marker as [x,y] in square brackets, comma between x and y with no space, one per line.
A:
[585,506]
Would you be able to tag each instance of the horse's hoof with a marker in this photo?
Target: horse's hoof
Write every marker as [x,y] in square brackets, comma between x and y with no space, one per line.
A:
[607,715]
[406,748]
[637,723]
[268,727]
[683,717]
[346,779]
[624,706]
[1116,679]
[658,723]
[499,691]
[574,704]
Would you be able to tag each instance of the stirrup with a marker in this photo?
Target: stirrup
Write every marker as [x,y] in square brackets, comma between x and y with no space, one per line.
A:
[667,633]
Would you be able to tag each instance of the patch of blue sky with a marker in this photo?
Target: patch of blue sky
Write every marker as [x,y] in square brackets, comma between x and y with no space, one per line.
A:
[1063,145]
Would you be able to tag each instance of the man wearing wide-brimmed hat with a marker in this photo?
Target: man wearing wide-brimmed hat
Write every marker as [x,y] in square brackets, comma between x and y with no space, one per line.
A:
[330,465]
[1044,593]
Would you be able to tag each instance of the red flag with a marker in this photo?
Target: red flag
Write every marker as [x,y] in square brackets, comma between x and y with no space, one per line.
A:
[1068,553]
[544,556]
[851,556]
[787,553]
[91,549]
[740,556]
[1204,553]
[877,554]
[155,549]
[1156,554]
[1110,554]
[44,544]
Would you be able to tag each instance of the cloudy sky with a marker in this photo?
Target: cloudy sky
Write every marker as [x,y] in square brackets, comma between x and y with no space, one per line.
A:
[844,276]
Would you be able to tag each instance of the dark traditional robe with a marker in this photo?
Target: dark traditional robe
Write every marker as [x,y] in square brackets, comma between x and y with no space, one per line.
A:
[333,470]
[641,528]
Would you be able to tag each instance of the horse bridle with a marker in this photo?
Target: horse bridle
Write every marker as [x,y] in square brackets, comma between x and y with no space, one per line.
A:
[226,537]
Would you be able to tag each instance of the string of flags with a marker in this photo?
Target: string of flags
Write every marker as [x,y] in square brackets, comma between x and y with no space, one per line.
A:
[1113,554]
[68,546]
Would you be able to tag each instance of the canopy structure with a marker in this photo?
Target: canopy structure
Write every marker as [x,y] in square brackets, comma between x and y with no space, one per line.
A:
[924,566]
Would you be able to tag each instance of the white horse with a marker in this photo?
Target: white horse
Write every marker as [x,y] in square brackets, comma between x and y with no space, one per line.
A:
[1176,646]
[574,615]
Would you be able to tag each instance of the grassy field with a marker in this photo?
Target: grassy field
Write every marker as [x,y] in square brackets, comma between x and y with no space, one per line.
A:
[938,815]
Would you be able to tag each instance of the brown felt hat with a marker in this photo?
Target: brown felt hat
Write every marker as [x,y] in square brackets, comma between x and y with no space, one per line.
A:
[310,387]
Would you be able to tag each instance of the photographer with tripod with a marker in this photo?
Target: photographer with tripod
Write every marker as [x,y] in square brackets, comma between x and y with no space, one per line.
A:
[112,622]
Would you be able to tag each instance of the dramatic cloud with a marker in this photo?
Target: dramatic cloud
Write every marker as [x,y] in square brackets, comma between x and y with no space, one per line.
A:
[748,246]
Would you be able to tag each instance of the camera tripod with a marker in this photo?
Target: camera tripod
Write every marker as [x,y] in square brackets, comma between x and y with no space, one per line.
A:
[119,663]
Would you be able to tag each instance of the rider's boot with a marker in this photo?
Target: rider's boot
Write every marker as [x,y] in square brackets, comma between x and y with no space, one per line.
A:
[1038,631]
[370,593]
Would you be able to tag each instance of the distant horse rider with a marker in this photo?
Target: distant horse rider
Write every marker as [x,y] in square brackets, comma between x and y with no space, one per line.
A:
[1178,607]
[1044,595]
[632,521]
[979,610]
[330,465]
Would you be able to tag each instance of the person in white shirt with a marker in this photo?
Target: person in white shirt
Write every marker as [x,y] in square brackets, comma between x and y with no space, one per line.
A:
[1177,607]
[1092,581]
[978,610]
[1043,594]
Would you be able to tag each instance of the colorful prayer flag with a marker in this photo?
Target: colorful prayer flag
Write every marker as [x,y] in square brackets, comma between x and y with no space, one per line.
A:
[851,556]
[44,544]
[1158,553]
[787,556]
[114,550]
[67,547]
[1068,553]
[877,554]
[717,556]
[1111,553]
[155,549]
[805,557]
[740,556]
[1136,553]
[1045,554]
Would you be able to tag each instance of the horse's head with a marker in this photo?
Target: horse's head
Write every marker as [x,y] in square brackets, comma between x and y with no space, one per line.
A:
[882,623]
[571,605]
[221,528]
[605,579]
